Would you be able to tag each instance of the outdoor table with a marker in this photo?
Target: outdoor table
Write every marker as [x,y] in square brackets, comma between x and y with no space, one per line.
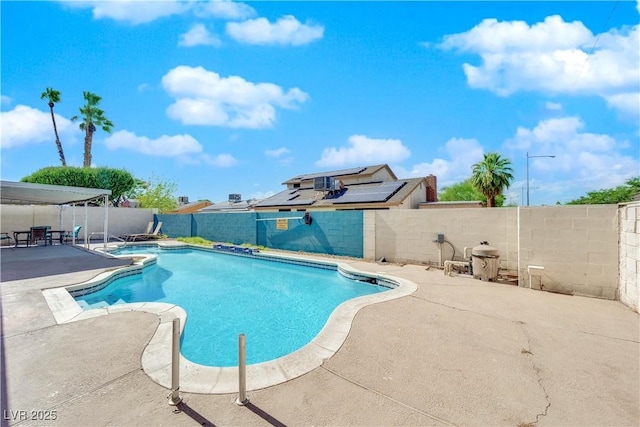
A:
[60,235]
[16,237]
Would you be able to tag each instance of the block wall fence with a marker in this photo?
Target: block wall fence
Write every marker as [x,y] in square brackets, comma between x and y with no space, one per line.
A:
[591,250]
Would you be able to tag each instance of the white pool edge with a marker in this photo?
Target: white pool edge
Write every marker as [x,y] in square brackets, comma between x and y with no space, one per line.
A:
[195,378]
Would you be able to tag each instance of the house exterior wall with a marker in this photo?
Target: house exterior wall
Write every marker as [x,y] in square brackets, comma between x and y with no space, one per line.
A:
[121,220]
[629,266]
[417,196]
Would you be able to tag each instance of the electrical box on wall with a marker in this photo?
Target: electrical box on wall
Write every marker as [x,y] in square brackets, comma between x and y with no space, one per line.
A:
[439,238]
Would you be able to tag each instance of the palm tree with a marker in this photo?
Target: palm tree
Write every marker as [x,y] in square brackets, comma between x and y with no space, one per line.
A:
[491,175]
[53,96]
[92,116]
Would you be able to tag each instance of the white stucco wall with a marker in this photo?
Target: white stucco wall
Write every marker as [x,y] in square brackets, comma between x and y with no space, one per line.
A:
[121,220]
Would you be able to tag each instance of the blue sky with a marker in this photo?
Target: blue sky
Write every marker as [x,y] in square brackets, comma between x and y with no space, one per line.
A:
[229,97]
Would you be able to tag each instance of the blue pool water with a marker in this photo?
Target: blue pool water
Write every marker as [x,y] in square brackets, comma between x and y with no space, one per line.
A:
[280,307]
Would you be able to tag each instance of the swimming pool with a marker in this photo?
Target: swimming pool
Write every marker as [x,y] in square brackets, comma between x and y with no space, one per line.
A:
[280,306]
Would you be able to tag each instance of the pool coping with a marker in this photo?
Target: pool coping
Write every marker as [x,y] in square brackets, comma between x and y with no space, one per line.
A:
[195,378]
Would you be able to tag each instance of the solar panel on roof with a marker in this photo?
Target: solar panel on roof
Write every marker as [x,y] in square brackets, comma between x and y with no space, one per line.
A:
[380,193]
[351,171]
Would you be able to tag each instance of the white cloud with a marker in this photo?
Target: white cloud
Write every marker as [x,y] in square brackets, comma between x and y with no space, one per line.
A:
[552,56]
[590,159]
[5,100]
[279,152]
[553,106]
[462,153]
[626,103]
[164,146]
[133,11]
[285,31]
[199,35]
[220,161]
[224,9]
[205,98]
[362,149]
[25,126]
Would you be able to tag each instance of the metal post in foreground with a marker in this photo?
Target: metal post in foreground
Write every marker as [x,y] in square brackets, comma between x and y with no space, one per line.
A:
[242,373]
[174,397]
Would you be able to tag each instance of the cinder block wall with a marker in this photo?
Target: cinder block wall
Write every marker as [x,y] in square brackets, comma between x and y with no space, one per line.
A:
[629,269]
[576,245]
[121,220]
[236,227]
[408,235]
[330,232]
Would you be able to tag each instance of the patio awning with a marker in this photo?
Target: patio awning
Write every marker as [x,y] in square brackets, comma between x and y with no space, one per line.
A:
[28,193]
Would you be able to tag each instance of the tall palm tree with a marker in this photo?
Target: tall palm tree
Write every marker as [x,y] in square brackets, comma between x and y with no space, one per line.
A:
[92,117]
[491,175]
[53,96]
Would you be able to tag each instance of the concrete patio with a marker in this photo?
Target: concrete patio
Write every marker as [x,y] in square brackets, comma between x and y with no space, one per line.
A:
[456,352]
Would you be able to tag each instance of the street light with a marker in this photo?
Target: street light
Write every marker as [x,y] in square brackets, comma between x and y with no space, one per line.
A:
[531,157]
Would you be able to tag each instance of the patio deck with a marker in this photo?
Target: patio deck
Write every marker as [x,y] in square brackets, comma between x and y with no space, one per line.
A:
[456,352]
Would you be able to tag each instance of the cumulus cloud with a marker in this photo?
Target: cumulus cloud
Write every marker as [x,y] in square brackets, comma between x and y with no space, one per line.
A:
[285,31]
[220,161]
[362,149]
[205,98]
[591,159]
[199,35]
[278,152]
[552,56]
[24,125]
[164,146]
[462,153]
[224,9]
[133,11]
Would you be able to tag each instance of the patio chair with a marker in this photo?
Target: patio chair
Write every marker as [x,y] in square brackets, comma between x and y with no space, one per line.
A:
[72,234]
[146,236]
[148,231]
[41,232]
[4,237]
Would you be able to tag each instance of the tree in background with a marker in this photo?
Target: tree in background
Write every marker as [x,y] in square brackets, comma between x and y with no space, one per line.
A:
[53,96]
[491,176]
[119,181]
[156,193]
[92,117]
[620,194]
[465,191]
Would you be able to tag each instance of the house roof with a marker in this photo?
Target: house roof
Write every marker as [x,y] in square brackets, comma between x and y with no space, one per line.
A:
[358,171]
[191,207]
[388,193]
[28,193]
[242,205]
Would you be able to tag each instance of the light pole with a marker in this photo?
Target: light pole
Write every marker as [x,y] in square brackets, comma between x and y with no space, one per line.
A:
[531,157]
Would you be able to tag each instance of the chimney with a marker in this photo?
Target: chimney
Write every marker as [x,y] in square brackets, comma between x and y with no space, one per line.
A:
[432,188]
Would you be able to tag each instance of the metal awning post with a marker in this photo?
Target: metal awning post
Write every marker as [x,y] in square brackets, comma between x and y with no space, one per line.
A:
[106,221]
[86,225]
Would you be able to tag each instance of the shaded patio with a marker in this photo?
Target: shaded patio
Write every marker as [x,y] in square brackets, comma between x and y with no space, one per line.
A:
[51,260]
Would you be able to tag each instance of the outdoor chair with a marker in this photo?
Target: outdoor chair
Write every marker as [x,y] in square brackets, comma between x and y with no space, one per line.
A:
[72,234]
[126,237]
[4,237]
[146,236]
[41,232]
